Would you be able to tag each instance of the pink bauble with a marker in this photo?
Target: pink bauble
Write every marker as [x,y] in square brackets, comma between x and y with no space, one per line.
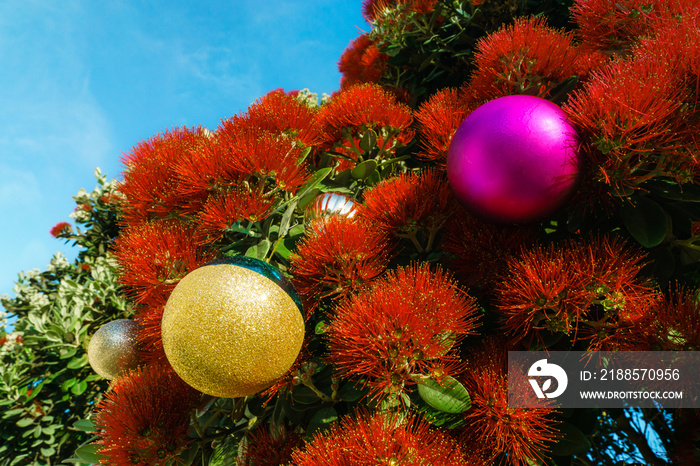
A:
[514,159]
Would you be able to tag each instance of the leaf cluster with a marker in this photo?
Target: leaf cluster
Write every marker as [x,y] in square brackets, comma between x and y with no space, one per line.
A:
[46,383]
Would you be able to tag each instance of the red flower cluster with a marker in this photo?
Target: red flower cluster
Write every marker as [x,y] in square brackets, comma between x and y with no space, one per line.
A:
[339,255]
[590,290]
[402,328]
[410,205]
[373,10]
[522,434]
[261,155]
[361,62]
[438,119]
[150,186]
[615,26]
[282,113]
[525,57]
[60,229]
[144,418]
[380,439]
[633,120]
[186,173]
[357,112]
[154,256]
[675,325]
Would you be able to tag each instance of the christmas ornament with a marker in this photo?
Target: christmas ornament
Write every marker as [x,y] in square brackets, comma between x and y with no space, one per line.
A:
[113,348]
[514,159]
[232,327]
[328,204]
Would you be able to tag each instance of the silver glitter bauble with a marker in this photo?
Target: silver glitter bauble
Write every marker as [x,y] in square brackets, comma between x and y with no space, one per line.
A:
[113,348]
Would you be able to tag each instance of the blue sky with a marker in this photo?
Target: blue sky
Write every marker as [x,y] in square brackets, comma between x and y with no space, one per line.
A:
[81,82]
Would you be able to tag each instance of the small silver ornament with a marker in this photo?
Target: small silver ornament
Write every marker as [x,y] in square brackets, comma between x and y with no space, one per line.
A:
[328,204]
[113,348]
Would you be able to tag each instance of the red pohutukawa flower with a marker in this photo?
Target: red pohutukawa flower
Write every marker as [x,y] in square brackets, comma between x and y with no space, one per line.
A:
[359,109]
[526,57]
[374,10]
[283,113]
[616,25]
[268,157]
[361,62]
[410,205]
[382,438]
[590,290]
[60,229]
[339,255]
[523,434]
[149,184]
[154,256]
[268,445]
[438,119]
[541,290]
[675,326]
[631,119]
[244,203]
[400,329]
[144,418]
[481,250]
[149,317]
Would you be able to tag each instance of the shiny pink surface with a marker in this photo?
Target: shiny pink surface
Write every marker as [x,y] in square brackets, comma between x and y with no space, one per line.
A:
[514,159]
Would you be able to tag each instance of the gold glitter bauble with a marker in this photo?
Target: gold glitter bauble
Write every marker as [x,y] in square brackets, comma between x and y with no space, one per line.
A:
[114,349]
[229,331]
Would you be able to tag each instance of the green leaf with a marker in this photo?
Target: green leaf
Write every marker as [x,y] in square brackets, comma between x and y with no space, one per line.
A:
[69,353]
[225,453]
[77,363]
[47,452]
[67,384]
[286,219]
[88,453]
[449,397]
[260,250]
[12,412]
[25,421]
[374,178]
[304,395]
[319,176]
[674,191]
[369,140]
[294,235]
[645,220]
[573,441]
[320,328]
[308,198]
[35,390]
[364,169]
[79,388]
[352,391]
[322,420]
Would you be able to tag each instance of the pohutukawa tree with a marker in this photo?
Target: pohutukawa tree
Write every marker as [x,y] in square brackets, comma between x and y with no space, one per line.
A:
[405,297]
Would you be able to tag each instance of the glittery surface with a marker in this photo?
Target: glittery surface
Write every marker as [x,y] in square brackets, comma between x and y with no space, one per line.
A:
[113,348]
[229,331]
[265,269]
